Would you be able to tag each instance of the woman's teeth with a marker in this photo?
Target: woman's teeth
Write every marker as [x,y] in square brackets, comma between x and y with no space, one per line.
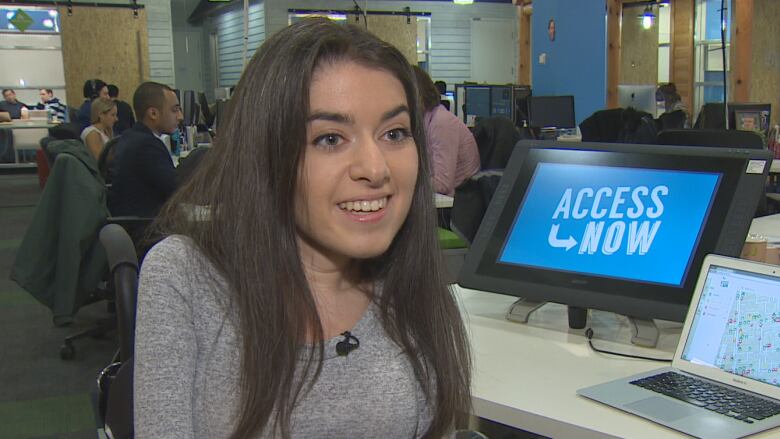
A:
[364,206]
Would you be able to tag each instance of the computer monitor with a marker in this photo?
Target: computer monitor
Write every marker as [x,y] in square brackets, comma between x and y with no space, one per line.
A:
[501,101]
[750,117]
[615,227]
[639,97]
[551,112]
[478,101]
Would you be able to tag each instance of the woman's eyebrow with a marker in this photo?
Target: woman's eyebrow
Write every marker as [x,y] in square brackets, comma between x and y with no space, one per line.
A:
[346,119]
[330,116]
[395,112]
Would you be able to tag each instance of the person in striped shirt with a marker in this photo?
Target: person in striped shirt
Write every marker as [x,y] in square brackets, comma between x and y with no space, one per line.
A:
[48,101]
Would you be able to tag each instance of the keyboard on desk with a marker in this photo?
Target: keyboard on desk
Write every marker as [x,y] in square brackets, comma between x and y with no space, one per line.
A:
[727,401]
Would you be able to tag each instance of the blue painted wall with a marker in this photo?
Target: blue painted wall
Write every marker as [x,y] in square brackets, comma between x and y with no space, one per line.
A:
[577,59]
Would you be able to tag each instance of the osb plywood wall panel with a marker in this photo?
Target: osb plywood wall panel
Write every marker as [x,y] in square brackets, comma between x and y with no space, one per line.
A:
[639,57]
[394,30]
[104,43]
[682,49]
[765,66]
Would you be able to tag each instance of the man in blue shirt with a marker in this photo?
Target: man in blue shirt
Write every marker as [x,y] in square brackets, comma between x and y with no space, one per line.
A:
[9,104]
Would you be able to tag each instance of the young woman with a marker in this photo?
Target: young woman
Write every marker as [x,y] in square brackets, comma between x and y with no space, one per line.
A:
[311,302]
[101,131]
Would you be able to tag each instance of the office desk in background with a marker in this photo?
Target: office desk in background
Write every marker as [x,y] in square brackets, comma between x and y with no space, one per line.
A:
[526,375]
[27,135]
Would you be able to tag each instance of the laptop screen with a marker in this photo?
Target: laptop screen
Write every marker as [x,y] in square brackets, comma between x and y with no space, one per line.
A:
[736,327]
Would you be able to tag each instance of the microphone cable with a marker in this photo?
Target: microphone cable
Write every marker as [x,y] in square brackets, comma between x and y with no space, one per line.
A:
[589,335]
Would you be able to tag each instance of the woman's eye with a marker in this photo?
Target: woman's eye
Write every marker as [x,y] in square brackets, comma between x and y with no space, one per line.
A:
[398,134]
[328,140]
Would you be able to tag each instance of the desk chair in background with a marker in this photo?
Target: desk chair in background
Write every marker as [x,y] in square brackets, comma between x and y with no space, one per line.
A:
[115,381]
[711,117]
[496,137]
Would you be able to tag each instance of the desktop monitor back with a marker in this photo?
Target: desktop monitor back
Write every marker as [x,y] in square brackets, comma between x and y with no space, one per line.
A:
[551,112]
[640,97]
[615,227]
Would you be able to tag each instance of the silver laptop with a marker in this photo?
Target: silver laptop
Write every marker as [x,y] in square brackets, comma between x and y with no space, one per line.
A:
[725,377]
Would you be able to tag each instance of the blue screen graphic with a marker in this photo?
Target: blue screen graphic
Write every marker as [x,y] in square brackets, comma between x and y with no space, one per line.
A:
[628,223]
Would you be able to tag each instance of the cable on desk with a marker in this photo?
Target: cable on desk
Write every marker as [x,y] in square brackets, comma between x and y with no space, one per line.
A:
[589,334]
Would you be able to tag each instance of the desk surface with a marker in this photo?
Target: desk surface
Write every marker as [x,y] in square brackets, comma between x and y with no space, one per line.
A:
[18,124]
[526,375]
[443,201]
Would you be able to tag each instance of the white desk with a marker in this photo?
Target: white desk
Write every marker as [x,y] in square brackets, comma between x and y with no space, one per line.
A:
[526,375]
[766,226]
[443,201]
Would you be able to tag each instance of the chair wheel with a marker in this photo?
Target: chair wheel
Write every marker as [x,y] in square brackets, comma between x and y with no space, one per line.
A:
[67,351]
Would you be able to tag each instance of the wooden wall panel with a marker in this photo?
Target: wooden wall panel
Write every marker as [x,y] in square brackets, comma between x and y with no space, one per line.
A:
[741,52]
[639,49]
[104,43]
[682,50]
[765,65]
[524,44]
[396,31]
[614,13]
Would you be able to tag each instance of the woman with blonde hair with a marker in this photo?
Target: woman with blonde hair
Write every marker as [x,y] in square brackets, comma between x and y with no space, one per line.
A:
[103,118]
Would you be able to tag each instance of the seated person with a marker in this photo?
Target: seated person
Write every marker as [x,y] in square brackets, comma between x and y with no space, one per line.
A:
[451,146]
[93,89]
[9,104]
[101,131]
[123,111]
[142,172]
[667,94]
[49,102]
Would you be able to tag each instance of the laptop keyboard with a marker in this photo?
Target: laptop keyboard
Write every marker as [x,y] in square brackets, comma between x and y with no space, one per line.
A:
[724,400]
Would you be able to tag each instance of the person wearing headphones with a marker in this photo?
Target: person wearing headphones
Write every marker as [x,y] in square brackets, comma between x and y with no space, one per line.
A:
[93,89]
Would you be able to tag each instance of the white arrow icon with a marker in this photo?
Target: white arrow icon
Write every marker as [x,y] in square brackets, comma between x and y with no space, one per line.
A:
[553,240]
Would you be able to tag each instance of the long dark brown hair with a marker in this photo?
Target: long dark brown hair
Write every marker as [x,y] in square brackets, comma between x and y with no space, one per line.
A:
[249,180]
[429,94]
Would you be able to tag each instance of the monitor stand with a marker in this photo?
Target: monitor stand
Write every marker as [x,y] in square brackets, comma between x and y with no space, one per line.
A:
[643,332]
[522,309]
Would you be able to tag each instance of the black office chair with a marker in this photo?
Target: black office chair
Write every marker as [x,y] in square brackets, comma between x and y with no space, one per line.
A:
[711,117]
[496,138]
[470,202]
[115,381]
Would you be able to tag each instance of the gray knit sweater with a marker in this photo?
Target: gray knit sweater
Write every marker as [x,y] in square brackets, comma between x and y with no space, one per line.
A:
[187,364]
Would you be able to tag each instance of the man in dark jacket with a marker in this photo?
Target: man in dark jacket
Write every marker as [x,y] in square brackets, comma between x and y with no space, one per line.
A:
[142,171]
[11,105]
[123,111]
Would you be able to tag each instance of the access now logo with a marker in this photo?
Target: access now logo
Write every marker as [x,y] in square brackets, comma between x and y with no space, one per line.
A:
[619,219]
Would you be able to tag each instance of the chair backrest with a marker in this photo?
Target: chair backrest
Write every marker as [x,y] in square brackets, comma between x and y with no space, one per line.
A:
[116,381]
[123,263]
[702,137]
[470,202]
[496,138]
[711,117]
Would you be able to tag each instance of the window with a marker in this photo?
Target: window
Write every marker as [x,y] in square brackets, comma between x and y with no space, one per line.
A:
[708,54]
